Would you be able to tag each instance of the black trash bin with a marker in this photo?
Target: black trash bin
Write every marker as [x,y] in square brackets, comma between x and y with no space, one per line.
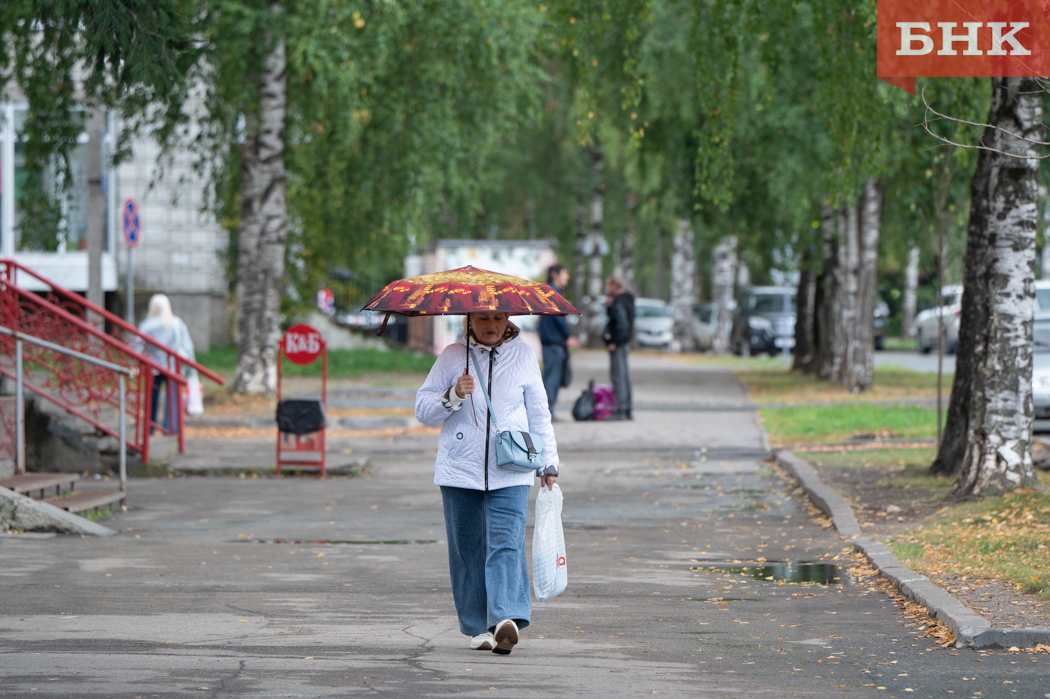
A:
[300,416]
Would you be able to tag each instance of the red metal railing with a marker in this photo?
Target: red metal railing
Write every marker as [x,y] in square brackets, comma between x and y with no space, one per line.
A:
[88,391]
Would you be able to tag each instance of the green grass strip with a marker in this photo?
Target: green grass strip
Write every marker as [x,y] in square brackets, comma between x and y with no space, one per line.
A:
[342,363]
[839,423]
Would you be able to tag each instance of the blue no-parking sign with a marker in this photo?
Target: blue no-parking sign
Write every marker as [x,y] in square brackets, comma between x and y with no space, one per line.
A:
[132,225]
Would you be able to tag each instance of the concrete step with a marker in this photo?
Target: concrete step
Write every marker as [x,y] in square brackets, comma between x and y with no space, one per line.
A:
[28,483]
[82,502]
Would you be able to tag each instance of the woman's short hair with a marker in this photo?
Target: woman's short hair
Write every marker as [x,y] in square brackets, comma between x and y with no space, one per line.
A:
[160,305]
[553,271]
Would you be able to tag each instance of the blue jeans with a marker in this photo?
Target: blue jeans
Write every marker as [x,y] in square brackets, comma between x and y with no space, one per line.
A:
[486,556]
[169,401]
[553,366]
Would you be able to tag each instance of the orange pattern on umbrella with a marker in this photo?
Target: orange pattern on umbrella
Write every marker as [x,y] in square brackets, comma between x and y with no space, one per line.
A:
[469,290]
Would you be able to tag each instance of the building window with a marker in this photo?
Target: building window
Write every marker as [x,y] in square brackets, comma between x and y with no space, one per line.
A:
[39,210]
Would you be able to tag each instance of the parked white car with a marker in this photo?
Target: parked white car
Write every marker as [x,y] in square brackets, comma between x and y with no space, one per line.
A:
[926,322]
[652,323]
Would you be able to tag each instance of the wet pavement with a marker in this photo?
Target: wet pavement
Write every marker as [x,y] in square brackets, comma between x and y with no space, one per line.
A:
[294,587]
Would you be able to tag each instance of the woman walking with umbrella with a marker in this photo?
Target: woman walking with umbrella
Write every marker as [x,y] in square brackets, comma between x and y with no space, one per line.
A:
[485,504]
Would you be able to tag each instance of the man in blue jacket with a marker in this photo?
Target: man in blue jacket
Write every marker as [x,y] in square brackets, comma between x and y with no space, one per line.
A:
[556,340]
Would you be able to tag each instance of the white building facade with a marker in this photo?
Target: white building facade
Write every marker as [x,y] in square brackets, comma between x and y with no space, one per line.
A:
[181,248]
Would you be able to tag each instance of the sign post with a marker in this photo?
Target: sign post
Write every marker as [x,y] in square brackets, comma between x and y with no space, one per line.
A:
[302,345]
[132,235]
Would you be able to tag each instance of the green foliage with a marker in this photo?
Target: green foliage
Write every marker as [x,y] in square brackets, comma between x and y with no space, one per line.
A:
[931,186]
[422,119]
[393,109]
[68,55]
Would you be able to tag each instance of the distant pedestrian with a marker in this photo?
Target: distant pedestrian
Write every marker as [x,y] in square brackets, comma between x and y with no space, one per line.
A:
[168,329]
[486,505]
[556,341]
[619,330]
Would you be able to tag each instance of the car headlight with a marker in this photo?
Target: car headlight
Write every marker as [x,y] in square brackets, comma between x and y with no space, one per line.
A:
[759,323]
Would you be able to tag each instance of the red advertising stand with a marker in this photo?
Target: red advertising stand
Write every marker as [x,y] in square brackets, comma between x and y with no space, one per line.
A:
[302,345]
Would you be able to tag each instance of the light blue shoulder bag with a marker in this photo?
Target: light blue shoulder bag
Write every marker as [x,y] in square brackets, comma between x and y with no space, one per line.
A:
[515,451]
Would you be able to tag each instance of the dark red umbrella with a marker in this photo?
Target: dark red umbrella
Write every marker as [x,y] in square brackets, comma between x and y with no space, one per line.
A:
[468,290]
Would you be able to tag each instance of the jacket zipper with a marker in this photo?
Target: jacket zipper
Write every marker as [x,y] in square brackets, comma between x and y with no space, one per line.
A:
[488,425]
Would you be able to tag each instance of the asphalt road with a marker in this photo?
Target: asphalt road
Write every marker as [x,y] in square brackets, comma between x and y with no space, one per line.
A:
[227,587]
[915,361]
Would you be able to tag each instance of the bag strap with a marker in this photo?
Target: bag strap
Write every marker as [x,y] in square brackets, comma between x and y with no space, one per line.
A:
[484,390]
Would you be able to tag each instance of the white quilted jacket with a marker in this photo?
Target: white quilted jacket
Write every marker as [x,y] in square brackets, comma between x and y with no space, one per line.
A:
[520,402]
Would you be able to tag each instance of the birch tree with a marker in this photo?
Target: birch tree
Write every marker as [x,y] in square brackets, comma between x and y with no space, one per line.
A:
[909,302]
[683,291]
[722,277]
[263,234]
[625,250]
[597,247]
[860,354]
[995,336]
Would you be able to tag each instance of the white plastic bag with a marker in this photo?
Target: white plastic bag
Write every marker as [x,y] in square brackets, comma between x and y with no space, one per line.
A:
[194,395]
[549,572]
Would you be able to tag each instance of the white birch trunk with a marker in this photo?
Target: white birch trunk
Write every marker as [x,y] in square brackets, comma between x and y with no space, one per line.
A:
[683,291]
[1044,226]
[625,251]
[910,300]
[261,243]
[596,241]
[579,273]
[998,455]
[722,292]
[743,276]
[850,286]
[861,355]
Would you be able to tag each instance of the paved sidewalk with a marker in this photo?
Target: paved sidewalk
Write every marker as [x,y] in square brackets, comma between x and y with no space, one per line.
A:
[220,587]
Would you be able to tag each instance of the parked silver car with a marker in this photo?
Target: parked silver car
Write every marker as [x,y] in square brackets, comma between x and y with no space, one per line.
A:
[926,322]
[652,323]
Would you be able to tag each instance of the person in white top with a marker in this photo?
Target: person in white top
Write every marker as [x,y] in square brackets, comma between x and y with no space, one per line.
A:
[168,329]
[486,505]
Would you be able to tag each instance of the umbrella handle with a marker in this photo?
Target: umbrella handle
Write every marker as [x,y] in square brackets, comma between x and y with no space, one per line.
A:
[466,341]
[383,326]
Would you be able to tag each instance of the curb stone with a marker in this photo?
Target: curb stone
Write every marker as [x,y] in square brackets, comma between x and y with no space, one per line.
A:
[20,512]
[968,627]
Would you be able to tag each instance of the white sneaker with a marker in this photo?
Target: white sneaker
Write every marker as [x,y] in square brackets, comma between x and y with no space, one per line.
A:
[505,636]
[483,641]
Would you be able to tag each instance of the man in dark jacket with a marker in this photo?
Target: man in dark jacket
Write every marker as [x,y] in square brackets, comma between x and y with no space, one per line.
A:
[556,340]
[618,333]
